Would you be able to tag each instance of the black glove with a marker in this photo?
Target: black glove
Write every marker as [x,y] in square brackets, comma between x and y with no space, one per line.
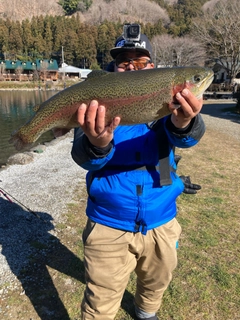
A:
[189,187]
[177,158]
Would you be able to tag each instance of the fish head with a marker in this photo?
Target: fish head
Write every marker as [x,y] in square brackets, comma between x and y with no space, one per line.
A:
[195,79]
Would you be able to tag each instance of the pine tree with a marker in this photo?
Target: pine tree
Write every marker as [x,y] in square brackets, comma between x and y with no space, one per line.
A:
[38,41]
[27,38]
[48,38]
[15,39]
[69,6]
[3,37]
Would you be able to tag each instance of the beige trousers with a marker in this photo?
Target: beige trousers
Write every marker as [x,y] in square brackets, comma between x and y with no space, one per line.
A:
[110,257]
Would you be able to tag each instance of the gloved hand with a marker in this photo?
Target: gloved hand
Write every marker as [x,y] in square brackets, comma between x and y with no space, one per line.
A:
[177,158]
[189,187]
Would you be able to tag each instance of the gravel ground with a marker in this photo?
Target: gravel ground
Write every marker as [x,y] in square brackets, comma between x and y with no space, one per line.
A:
[46,186]
[215,117]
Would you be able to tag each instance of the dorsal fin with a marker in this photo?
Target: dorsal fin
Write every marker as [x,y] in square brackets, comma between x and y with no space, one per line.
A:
[97,74]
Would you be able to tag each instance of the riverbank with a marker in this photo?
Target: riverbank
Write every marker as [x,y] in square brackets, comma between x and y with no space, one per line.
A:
[38,85]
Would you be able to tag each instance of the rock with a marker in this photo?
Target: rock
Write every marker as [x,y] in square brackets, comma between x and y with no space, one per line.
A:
[39,149]
[21,158]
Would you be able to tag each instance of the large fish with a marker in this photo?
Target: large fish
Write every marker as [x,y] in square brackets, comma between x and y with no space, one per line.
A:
[137,97]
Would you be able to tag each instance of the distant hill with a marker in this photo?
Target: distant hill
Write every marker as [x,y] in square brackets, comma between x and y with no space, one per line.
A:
[123,10]
[143,11]
[23,9]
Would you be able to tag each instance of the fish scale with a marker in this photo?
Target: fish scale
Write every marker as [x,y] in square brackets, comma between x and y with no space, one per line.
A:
[137,97]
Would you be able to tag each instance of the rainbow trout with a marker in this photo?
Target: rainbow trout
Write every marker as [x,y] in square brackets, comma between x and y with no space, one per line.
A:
[137,97]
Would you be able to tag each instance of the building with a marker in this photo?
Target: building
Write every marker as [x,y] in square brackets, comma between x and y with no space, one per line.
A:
[221,73]
[16,70]
[71,72]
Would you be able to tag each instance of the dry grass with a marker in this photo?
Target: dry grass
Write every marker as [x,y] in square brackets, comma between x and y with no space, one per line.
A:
[207,281]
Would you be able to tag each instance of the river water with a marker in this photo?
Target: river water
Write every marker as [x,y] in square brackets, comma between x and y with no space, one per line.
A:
[16,107]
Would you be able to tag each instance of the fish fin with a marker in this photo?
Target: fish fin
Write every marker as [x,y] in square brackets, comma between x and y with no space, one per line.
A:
[17,141]
[97,74]
[58,132]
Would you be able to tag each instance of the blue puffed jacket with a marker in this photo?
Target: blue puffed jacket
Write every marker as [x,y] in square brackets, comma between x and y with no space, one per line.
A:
[124,180]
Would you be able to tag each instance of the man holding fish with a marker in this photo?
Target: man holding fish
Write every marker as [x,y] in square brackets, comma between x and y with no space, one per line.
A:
[132,187]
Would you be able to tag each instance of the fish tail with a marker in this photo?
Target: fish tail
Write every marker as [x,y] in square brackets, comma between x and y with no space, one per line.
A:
[18,141]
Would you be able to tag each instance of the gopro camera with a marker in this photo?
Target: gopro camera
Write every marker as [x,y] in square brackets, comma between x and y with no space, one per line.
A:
[131,33]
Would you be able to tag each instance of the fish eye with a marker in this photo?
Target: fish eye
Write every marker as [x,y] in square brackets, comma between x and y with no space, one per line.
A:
[197,78]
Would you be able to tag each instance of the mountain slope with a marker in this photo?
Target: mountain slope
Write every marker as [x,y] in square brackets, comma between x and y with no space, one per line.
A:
[23,9]
[125,10]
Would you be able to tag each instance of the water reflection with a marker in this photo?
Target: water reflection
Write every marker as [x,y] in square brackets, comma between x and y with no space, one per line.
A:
[16,107]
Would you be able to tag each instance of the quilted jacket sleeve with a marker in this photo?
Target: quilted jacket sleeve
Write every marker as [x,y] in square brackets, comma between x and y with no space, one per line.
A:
[88,156]
[187,137]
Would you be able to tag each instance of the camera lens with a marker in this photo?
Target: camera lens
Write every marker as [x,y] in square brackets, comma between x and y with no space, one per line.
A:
[134,31]
[131,33]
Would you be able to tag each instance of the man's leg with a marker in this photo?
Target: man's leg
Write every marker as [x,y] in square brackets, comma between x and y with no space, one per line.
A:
[108,264]
[154,268]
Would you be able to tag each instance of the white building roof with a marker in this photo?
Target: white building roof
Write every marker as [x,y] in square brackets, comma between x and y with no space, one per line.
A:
[70,69]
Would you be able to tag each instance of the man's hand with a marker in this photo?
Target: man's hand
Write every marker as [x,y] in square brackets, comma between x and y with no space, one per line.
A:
[92,121]
[189,107]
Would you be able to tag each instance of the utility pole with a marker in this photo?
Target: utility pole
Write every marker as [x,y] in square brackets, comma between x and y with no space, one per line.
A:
[63,66]
[155,55]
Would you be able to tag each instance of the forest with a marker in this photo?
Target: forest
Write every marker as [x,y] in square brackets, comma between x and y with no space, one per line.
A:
[85,44]
[184,31]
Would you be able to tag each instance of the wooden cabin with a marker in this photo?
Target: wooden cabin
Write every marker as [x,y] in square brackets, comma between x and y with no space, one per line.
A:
[16,70]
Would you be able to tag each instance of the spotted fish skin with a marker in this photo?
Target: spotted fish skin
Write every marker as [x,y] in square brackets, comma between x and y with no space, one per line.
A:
[137,97]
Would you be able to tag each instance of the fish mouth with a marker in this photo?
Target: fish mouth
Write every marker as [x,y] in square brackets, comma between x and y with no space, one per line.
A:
[204,84]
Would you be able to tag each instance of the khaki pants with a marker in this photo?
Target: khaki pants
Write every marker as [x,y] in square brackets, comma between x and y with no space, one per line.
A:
[111,255]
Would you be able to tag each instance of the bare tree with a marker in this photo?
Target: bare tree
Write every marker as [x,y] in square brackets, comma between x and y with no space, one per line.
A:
[36,76]
[209,5]
[22,9]
[219,31]
[184,51]
[126,10]
[2,70]
[19,71]
[44,70]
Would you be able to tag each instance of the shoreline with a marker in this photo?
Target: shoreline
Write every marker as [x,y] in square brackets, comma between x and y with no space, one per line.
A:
[32,89]
[35,150]
[58,85]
